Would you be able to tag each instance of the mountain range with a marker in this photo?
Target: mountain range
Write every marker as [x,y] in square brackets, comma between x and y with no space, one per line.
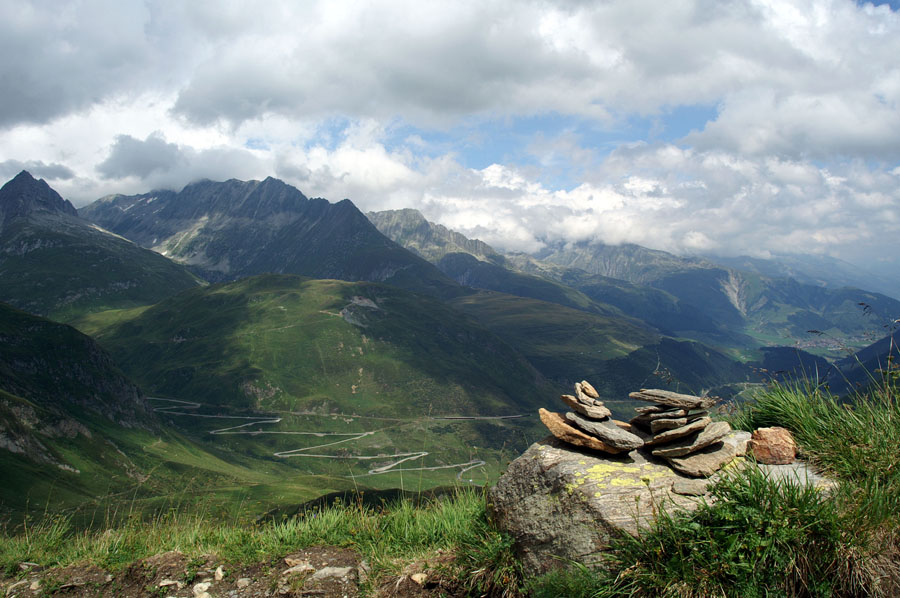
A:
[269,327]
[232,229]
[735,310]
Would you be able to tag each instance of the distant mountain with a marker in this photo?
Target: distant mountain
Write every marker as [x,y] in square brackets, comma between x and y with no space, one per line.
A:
[56,264]
[774,311]
[626,262]
[478,265]
[819,270]
[232,229]
[431,241]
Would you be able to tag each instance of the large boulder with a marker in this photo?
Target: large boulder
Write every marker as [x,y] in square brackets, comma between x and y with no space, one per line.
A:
[559,502]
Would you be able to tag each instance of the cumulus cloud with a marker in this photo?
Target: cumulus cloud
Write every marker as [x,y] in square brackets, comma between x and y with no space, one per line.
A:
[659,195]
[800,152]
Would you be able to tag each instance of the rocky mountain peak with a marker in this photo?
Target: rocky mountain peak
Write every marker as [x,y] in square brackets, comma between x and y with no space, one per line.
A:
[24,195]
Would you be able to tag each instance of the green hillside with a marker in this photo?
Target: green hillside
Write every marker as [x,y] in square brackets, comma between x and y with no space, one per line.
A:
[336,378]
[280,341]
[467,270]
[616,354]
[77,436]
[53,263]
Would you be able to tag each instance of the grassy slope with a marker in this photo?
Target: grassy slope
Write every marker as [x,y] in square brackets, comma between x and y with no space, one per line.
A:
[617,355]
[755,537]
[77,434]
[62,268]
[332,357]
[282,342]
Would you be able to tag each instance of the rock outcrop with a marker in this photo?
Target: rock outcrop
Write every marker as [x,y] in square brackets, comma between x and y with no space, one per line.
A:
[562,503]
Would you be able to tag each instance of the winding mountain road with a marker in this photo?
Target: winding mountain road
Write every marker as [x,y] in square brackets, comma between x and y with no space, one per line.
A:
[187,409]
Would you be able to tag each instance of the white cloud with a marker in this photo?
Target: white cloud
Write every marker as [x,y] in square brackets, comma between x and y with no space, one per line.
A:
[801,154]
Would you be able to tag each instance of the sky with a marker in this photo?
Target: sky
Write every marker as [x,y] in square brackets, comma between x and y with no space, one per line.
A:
[704,127]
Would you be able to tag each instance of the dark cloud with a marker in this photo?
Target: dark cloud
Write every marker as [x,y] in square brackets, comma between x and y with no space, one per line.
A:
[133,157]
[59,58]
[157,164]
[38,168]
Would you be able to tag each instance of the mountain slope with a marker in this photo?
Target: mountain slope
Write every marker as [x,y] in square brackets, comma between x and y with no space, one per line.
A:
[432,241]
[232,229]
[54,263]
[76,435]
[867,367]
[282,341]
[615,354]
[475,264]
[818,270]
[773,311]
[63,406]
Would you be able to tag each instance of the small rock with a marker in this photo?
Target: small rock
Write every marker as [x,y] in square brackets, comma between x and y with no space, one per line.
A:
[690,487]
[220,574]
[740,440]
[609,433]
[243,582]
[661,425]
[646,420]
[363,570]
[35,585]
[714,432]
[773,446]
[419,578]
[594,411]
[705,462]
[171,582]
[586,400]
[563,431]
[673,399]
[651,409]
[199,590]
[589,390]
[339,572]
[294,561]
[670,435]
[303,567]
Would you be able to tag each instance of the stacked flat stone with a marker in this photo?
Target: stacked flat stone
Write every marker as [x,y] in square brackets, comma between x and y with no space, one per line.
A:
[682,431]
[588,424]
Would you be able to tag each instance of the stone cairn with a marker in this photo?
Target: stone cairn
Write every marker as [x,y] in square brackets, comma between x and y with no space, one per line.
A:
[676,427]
[682,432]
[588,424]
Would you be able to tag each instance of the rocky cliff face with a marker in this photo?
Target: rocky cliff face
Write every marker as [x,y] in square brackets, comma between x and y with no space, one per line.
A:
[432,241]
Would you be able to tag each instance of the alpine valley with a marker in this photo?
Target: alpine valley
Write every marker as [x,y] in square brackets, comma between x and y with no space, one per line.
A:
[241,346]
